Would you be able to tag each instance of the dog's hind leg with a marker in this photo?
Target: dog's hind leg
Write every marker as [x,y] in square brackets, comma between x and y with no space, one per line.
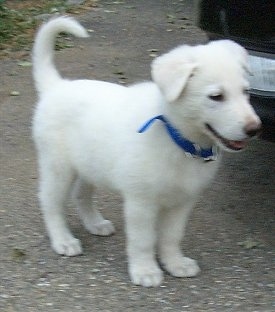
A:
[90,216]
[55,184]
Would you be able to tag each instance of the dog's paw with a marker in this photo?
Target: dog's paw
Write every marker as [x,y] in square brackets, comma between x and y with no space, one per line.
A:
[147,275]
[69,246]
[182,267]
[103,228]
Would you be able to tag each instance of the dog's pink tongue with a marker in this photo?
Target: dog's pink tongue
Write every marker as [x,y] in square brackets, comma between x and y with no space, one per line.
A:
[238,144]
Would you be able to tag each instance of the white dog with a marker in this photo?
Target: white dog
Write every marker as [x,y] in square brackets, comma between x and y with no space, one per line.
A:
[157,143]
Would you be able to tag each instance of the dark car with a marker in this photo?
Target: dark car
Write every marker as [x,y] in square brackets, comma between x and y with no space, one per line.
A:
[251,24]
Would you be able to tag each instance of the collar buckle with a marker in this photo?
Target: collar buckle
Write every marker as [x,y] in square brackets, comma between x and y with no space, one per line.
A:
[214,156]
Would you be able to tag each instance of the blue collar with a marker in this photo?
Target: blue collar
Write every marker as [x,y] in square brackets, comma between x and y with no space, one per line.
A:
[190,148]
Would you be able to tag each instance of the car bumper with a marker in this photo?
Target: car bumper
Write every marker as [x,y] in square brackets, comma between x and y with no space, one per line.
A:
[265,108]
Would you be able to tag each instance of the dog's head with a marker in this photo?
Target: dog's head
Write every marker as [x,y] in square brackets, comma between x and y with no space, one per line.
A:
[207,93]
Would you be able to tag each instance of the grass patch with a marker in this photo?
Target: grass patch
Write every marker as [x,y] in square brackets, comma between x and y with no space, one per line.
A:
[18,21]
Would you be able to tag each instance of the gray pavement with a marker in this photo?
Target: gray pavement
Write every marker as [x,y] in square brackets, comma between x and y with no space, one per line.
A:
[231,232]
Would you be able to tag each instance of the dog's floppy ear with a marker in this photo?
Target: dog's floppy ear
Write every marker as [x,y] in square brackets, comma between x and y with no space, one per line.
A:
[171,72]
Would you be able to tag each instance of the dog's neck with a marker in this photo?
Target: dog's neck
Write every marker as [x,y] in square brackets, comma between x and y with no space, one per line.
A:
[187,128]
[190,148]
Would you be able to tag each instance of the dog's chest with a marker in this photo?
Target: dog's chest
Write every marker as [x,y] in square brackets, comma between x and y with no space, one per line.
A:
[186,181]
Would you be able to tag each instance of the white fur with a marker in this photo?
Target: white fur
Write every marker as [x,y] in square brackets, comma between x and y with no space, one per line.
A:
[86,132]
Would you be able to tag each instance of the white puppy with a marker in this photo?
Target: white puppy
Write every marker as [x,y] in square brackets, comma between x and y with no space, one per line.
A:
[98,134]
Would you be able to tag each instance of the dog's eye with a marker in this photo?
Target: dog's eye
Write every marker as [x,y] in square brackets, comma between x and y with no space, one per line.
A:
[219,97]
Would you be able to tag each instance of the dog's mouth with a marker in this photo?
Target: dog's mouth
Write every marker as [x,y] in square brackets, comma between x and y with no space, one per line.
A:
[230,144]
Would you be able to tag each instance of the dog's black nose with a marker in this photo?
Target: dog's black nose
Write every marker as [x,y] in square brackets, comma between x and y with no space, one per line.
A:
[252,129]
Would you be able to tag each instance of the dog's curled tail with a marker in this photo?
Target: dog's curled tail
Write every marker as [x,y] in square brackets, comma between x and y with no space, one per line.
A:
[44,71]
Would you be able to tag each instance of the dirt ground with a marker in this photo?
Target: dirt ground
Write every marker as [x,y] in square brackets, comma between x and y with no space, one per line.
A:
[231,232]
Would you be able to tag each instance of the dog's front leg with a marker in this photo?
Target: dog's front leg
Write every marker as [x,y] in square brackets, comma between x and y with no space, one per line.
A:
[172,224]
[141,216]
